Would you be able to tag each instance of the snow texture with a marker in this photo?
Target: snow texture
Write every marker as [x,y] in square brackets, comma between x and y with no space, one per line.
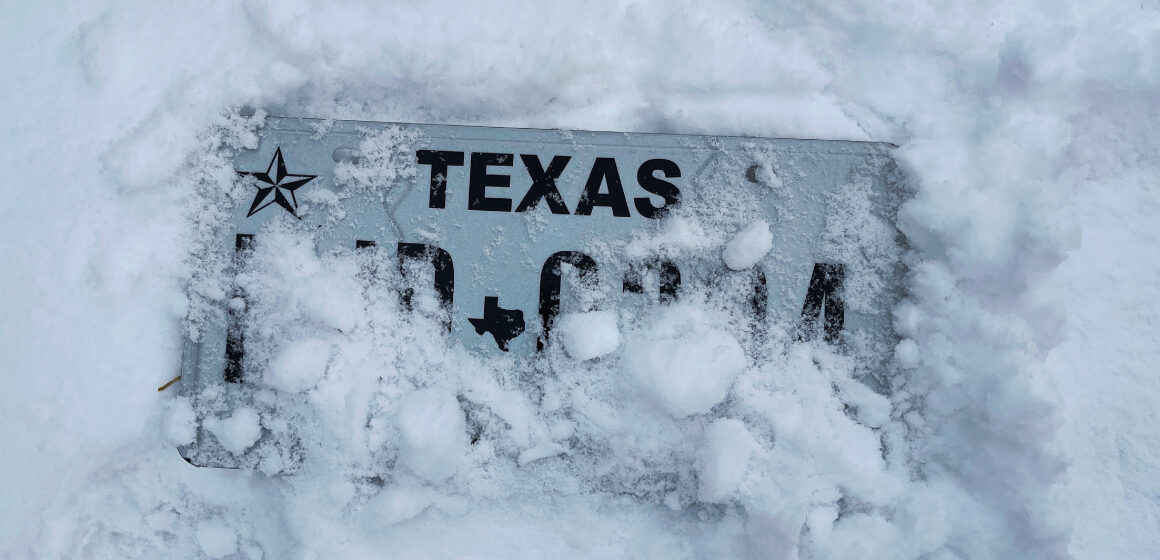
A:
[1016,417]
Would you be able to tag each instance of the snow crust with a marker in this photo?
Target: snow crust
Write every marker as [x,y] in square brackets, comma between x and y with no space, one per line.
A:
[1021,403]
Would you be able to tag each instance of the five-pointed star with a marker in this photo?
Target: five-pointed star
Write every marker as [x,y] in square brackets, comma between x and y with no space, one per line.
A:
[277,184]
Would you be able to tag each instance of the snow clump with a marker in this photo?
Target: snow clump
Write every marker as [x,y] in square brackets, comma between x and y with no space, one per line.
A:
[589,335]
[237,432]
[728,446]
[300,366]
[749,246]
[434,434]
[685,365]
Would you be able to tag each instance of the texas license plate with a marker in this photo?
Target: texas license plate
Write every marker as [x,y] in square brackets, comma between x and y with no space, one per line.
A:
[507,229]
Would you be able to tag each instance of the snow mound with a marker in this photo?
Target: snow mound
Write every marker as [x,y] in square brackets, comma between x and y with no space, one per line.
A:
[217,539]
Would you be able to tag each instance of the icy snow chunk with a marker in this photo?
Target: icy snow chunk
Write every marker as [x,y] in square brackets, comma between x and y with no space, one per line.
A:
[216,539]
[237,432]
[589,335]
[546,448]
[765,174]
[689,369]
[728,446]
[180,422]
[434,433]
[749,246]
[300,366]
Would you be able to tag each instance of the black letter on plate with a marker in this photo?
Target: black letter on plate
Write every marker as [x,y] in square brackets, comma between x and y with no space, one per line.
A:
[235,338]
[477,190]
[759,299]
[544,184]
[603,171]
[670,279]
[550,277]
[825,288]
[439,160]
[649,182]
[444,274]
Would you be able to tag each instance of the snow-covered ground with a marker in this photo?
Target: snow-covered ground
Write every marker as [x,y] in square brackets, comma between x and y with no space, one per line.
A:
[1024,419]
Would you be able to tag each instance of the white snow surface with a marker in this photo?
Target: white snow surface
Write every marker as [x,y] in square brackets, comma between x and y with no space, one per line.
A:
[1023,411]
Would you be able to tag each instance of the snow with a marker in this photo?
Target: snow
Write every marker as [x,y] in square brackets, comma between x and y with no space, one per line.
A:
[394,505]
[434,433]
[238,431]
[300,366]
[682,363]
[589,335]
[748,247]
[180,422]
[217,539]
[725,458]
[1022,396]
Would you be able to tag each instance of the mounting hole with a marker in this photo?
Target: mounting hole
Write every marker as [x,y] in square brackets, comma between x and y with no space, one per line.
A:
[751,174]
[349,155]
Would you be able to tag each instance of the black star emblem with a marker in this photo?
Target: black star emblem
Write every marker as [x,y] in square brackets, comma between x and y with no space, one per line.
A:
[275,185]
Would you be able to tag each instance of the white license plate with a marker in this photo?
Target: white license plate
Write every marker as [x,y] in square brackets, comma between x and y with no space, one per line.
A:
[509,228]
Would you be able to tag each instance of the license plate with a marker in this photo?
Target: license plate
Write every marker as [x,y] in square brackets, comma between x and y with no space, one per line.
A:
[509,229]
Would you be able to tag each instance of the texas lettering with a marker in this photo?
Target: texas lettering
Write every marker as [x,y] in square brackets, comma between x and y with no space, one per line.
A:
[489,181]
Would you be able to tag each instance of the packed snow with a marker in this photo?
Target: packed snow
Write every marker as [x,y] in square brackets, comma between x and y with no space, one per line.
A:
[749,246]
[589,334]
[300,366]
[238,431]
[684,364]
[1013,418]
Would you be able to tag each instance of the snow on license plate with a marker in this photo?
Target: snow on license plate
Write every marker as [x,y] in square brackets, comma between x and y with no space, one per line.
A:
[506,230]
